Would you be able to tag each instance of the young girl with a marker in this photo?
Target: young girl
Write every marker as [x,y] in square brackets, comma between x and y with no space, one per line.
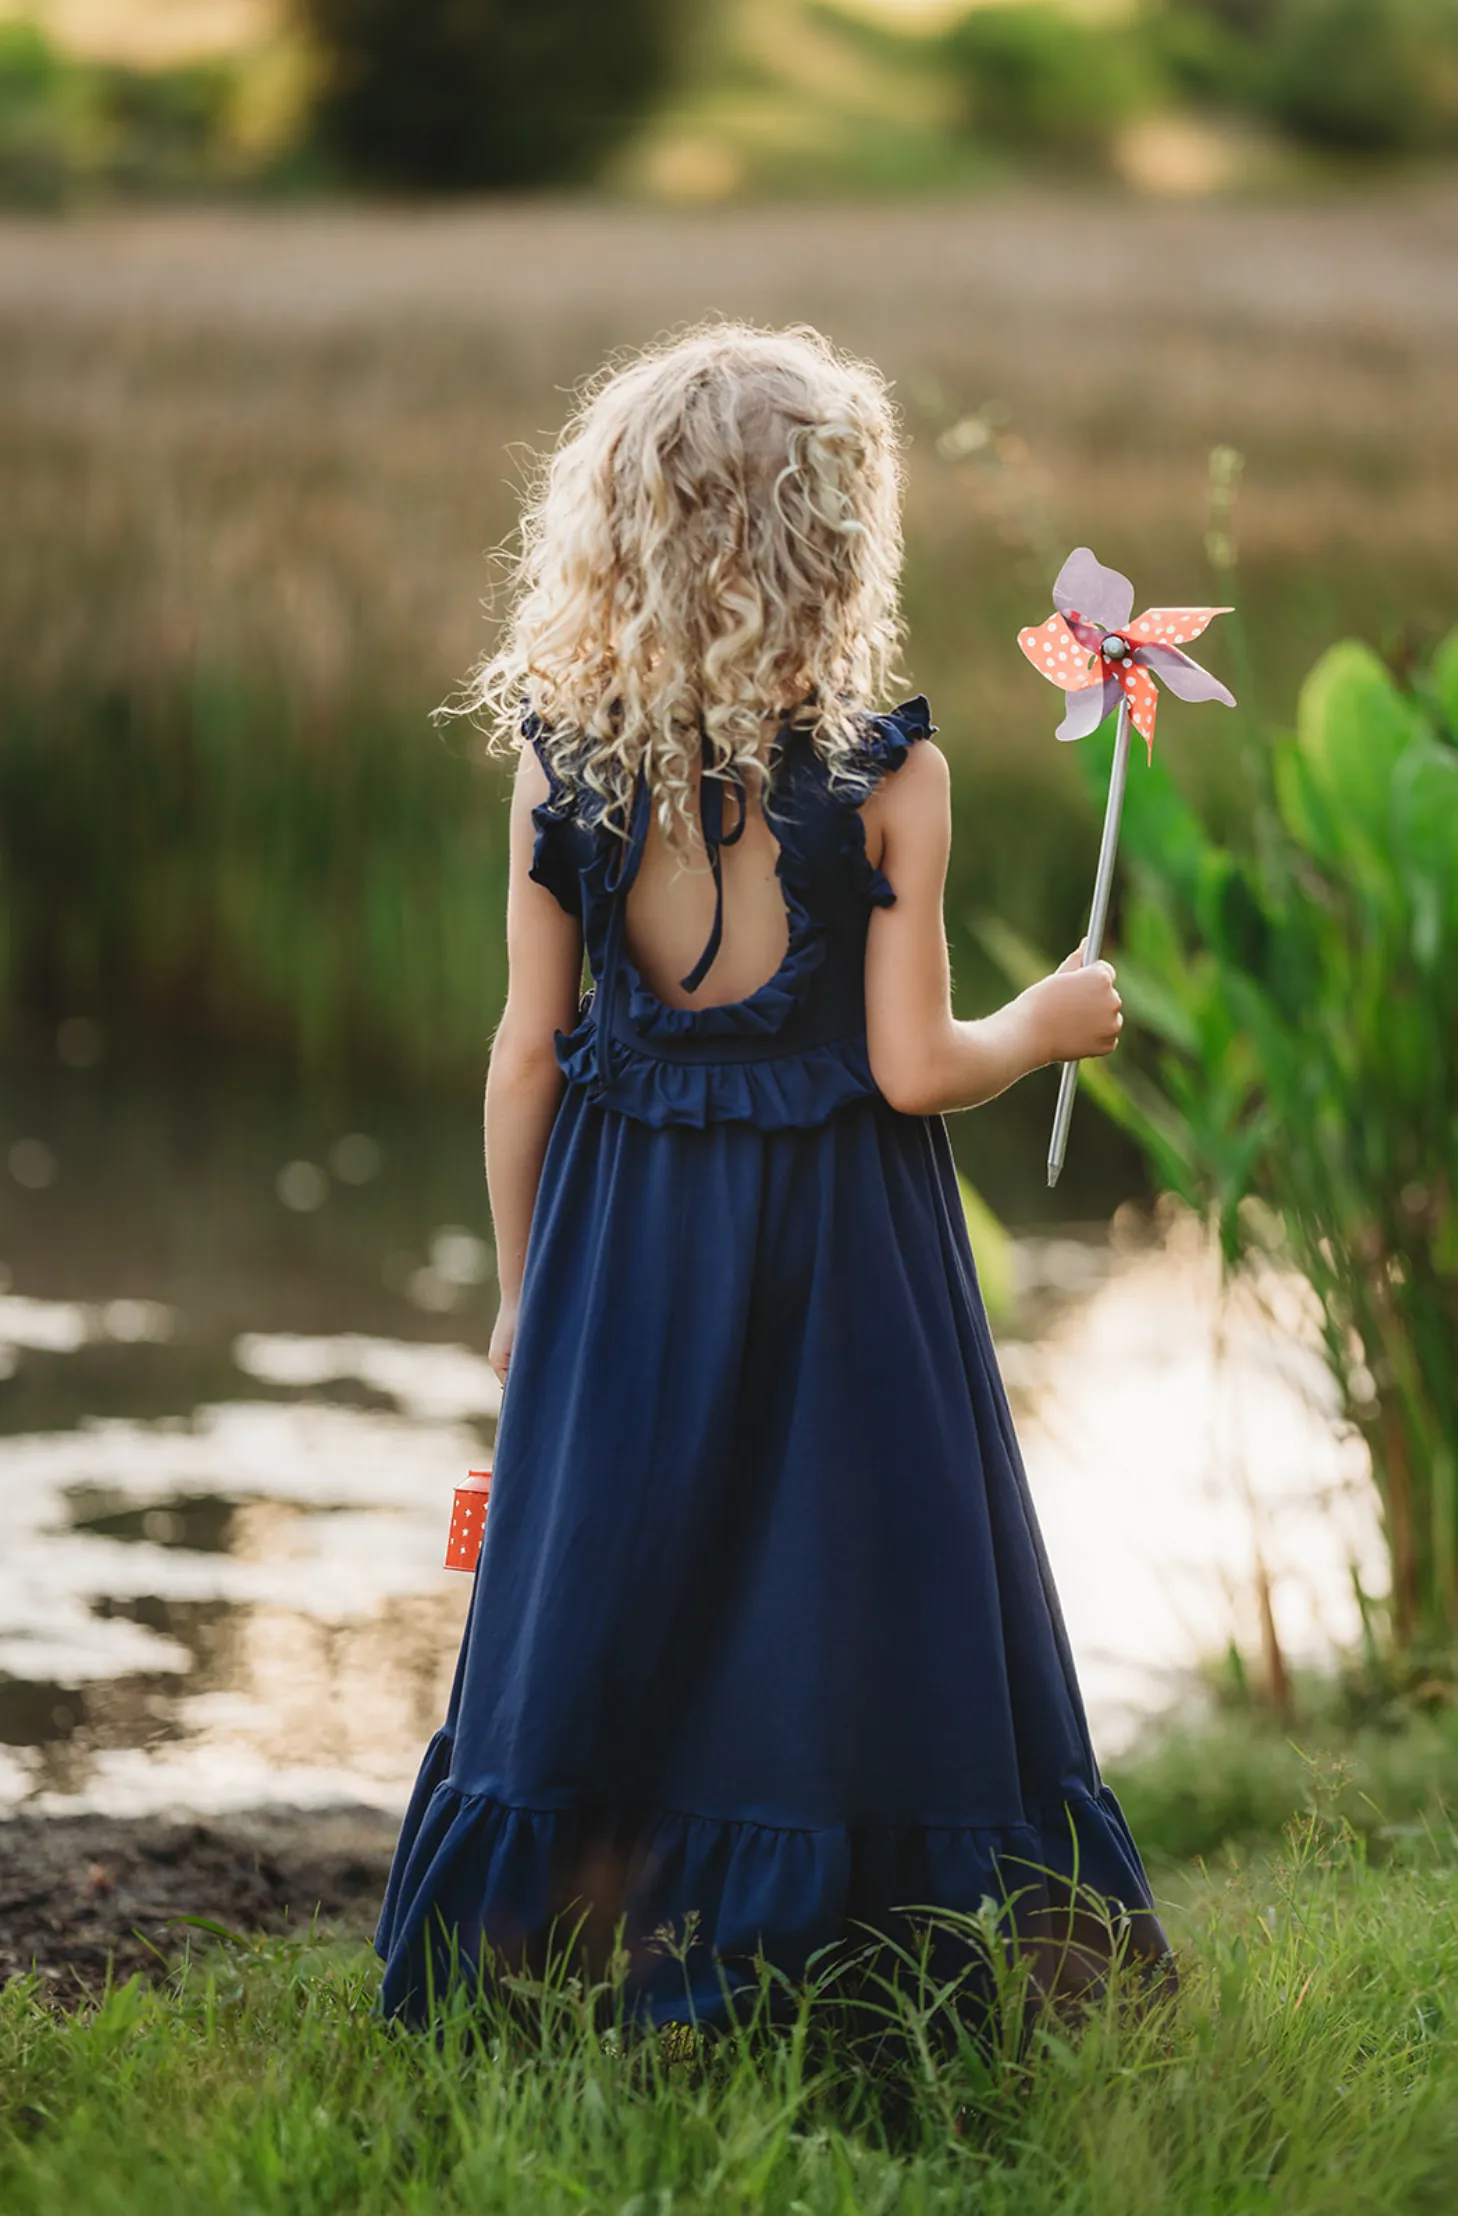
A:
[763,1646]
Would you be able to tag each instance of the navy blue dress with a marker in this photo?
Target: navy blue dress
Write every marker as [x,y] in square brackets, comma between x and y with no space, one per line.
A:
[764,1645]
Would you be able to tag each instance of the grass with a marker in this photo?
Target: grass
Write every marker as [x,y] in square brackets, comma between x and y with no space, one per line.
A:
[1310,2065]
[1386,1766]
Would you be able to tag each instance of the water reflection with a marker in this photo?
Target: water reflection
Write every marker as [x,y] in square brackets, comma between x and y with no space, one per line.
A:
[426,1381]
[220,1552]
[1184,1439]
[207,1525]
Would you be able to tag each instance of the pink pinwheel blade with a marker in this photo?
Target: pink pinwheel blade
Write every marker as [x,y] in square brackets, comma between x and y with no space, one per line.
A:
[1085,587]
[1185,679]
[1088,707]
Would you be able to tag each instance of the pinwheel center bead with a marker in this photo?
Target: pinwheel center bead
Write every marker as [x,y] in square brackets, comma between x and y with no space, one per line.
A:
[1113,647]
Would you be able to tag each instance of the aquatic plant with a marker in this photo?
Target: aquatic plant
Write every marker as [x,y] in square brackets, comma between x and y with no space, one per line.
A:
[1301,990]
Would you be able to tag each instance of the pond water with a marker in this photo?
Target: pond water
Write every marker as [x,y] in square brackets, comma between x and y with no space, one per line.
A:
[242,1364]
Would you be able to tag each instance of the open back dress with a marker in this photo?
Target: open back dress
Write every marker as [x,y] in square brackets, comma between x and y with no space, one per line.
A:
[764,1646]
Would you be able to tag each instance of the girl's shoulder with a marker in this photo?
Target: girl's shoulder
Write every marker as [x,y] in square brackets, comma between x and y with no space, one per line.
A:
[909,771]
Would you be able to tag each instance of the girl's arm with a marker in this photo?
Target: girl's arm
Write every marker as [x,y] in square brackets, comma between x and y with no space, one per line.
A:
[925,1061]
[524,1084]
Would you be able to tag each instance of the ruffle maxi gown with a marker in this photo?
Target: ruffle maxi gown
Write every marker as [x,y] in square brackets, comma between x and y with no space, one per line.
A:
[763,1645]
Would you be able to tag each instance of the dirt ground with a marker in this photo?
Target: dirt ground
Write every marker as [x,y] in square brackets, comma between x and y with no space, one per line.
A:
[80,1893]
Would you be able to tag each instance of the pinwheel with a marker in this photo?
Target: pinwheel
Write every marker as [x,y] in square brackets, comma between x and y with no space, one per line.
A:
[1092,650]
[1104,661]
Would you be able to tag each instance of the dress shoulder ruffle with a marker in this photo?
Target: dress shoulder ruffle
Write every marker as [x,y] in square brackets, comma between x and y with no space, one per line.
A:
[886,743]
[556,849]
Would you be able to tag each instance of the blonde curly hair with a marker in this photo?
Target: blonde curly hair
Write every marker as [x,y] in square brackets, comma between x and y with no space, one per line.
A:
[714,545]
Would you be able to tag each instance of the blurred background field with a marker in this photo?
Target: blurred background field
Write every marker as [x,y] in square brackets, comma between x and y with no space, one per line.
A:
[273,353]
[255,458]
[255,464]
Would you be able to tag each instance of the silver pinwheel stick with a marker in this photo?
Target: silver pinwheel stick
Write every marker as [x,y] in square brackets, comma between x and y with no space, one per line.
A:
[1093,944]
[1095,650]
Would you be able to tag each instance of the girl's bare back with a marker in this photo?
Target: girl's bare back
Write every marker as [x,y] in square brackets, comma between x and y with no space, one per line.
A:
[671,912]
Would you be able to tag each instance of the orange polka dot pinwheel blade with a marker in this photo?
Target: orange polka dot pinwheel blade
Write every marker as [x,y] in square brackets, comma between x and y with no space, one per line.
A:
[1173,626]
[1142,694]
[1054,651]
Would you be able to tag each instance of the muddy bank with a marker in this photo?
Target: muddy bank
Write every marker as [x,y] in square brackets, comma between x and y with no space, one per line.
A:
[78,1893]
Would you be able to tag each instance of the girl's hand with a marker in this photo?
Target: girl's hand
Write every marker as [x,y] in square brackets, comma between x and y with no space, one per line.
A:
[1076,1015]
[503,1337]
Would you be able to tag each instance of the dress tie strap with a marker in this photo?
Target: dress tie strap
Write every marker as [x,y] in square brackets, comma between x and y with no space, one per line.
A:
[711,823]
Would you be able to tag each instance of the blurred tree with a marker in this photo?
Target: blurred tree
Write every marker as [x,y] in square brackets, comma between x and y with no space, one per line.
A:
[34,118]
[1213,51]
[71,127]
[1367,76]
[1352,76]
[1035,77]
[1248,18]
[161,129]
[456,95]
